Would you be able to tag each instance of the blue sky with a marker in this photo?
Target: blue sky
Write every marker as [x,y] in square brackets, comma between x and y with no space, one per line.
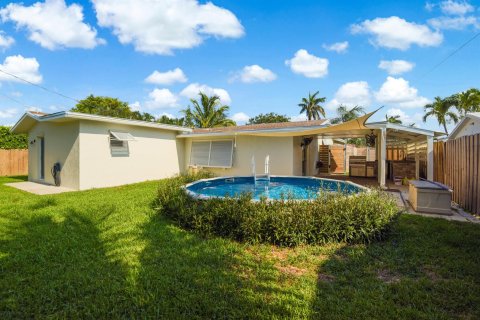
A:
[259,56]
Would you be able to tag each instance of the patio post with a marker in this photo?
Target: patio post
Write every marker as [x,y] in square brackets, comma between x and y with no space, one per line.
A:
[417,162]
[382,163]
[430,157]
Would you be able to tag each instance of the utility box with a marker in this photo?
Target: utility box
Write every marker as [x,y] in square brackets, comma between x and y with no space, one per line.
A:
[430,197]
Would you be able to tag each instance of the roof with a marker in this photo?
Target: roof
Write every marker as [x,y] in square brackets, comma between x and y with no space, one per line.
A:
[462,123]
[30,118]
[258,128]
[350,129]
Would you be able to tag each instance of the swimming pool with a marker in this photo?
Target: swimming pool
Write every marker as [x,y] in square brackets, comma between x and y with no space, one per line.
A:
[278,187]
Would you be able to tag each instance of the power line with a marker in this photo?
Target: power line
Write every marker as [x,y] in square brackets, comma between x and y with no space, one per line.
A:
[38,86]
[14,100]
[451,54]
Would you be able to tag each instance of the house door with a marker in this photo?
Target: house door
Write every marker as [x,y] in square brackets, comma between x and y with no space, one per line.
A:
[41,162]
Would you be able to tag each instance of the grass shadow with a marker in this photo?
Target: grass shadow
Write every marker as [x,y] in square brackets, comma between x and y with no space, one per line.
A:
[182,275]
[415,274]
[57,267]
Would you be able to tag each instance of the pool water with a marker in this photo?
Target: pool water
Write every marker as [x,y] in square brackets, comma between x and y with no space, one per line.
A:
[301,188]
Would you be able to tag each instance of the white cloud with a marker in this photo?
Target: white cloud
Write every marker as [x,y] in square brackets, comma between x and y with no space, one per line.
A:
[351,94]
[53,24]
[8,113]
[254,73]
[5,40]
[308,65]
[395,67]
[398,92]
[298,117]
[338,47]
[429,6]
[167,77]
[192,90]
[25,68]
[36,109]
[135,106]
[456,7]
[240,117]
[161,98]
[405,118]
[160,26]
[397,33]
[454,23]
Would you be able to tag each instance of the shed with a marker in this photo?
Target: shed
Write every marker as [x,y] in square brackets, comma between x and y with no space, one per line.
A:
[96,151]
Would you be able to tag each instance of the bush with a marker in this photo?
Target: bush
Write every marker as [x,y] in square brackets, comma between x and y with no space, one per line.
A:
[9,140]
[331,217]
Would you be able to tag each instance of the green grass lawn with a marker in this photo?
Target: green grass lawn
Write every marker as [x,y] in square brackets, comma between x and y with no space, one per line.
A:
[106,254]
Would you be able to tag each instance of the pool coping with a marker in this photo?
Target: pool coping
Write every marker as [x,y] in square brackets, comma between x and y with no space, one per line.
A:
[203,197]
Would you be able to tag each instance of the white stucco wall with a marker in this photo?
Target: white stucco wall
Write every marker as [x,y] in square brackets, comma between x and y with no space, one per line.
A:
[155,154]
[61,145]
[469,127]
[280,150]
[285,155]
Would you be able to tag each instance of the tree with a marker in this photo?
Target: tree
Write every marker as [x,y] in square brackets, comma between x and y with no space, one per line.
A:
[441,110]
[9,140]
[208,113]
[271,117]
[110,107]
[311,106]
[467,101]
[393,119]
[345,114]
[173,121]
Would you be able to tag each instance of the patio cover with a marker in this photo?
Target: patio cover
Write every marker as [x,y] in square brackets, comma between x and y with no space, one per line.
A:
[349,128]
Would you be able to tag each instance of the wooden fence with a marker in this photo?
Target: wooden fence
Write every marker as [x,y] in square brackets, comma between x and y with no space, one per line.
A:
[457,164]
[13,162]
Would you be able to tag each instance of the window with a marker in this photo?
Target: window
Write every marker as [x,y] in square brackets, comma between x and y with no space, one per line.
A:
[119,143]
[218,154]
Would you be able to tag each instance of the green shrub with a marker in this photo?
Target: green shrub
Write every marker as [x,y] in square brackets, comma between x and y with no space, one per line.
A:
[331,217]
[9,140]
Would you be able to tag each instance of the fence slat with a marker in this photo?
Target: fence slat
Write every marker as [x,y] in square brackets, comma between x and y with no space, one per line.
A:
[13,162]
[457,165]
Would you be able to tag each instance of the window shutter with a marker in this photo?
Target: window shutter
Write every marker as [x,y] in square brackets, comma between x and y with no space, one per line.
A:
[200,153]
[217,154]
[221,154]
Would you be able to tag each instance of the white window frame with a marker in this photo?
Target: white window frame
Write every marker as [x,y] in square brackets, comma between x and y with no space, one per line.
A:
[124,150]
[210,154]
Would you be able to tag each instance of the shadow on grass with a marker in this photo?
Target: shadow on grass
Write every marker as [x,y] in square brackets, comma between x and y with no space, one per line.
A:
[427,269]
[57,268]
[184,276]
[18,178]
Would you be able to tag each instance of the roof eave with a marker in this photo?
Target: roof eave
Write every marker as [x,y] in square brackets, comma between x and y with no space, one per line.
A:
[17,126]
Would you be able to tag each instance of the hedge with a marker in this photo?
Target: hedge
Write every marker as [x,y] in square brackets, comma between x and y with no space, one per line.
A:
[332,217]
[9,140]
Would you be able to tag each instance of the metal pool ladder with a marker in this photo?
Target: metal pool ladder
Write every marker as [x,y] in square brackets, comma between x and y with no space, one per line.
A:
[261,177]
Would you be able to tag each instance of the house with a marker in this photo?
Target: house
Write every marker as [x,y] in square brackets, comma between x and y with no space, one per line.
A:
[96,151]
[468,126]
[229,150]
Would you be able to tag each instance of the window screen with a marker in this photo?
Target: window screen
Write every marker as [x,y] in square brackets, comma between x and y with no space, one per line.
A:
[212,153]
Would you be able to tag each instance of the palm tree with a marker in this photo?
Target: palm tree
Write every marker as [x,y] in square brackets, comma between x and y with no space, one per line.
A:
[393,119]
[467,101]
[311,106]
[345,114]
[440,109]
[209,113]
